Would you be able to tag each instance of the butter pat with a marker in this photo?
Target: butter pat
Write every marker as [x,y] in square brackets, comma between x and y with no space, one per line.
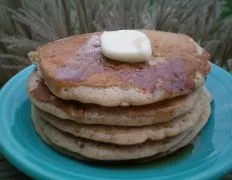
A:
[126,46]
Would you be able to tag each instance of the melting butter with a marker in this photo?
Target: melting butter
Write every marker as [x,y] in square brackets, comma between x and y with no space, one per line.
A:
[126,46]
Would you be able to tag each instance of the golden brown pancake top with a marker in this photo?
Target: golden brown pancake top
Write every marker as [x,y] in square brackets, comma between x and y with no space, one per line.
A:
[77,61]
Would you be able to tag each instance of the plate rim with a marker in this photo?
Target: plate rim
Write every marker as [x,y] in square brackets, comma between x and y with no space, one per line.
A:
[20,164]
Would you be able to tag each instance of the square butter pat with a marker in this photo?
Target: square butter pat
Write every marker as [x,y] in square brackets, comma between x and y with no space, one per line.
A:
[126,46]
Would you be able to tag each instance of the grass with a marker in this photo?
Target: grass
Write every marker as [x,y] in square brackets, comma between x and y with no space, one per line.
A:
[26,24]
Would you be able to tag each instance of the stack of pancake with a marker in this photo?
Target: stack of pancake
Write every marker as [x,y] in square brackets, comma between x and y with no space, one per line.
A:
[93,108]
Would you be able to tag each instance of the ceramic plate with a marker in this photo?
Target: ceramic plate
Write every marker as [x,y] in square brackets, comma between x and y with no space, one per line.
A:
[209,156]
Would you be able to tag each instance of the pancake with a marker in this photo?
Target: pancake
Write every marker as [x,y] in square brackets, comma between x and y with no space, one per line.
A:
[128,135]
[150,114]
[75,69]
[104,151]
[184,142]
[187,140]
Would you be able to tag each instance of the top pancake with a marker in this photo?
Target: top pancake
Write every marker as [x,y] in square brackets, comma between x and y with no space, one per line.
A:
[74,68]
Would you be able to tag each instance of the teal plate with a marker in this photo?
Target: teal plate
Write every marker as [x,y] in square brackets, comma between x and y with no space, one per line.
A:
[209,156]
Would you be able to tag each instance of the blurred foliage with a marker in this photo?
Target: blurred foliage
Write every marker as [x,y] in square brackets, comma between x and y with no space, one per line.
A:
[227,8]
[26,24]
